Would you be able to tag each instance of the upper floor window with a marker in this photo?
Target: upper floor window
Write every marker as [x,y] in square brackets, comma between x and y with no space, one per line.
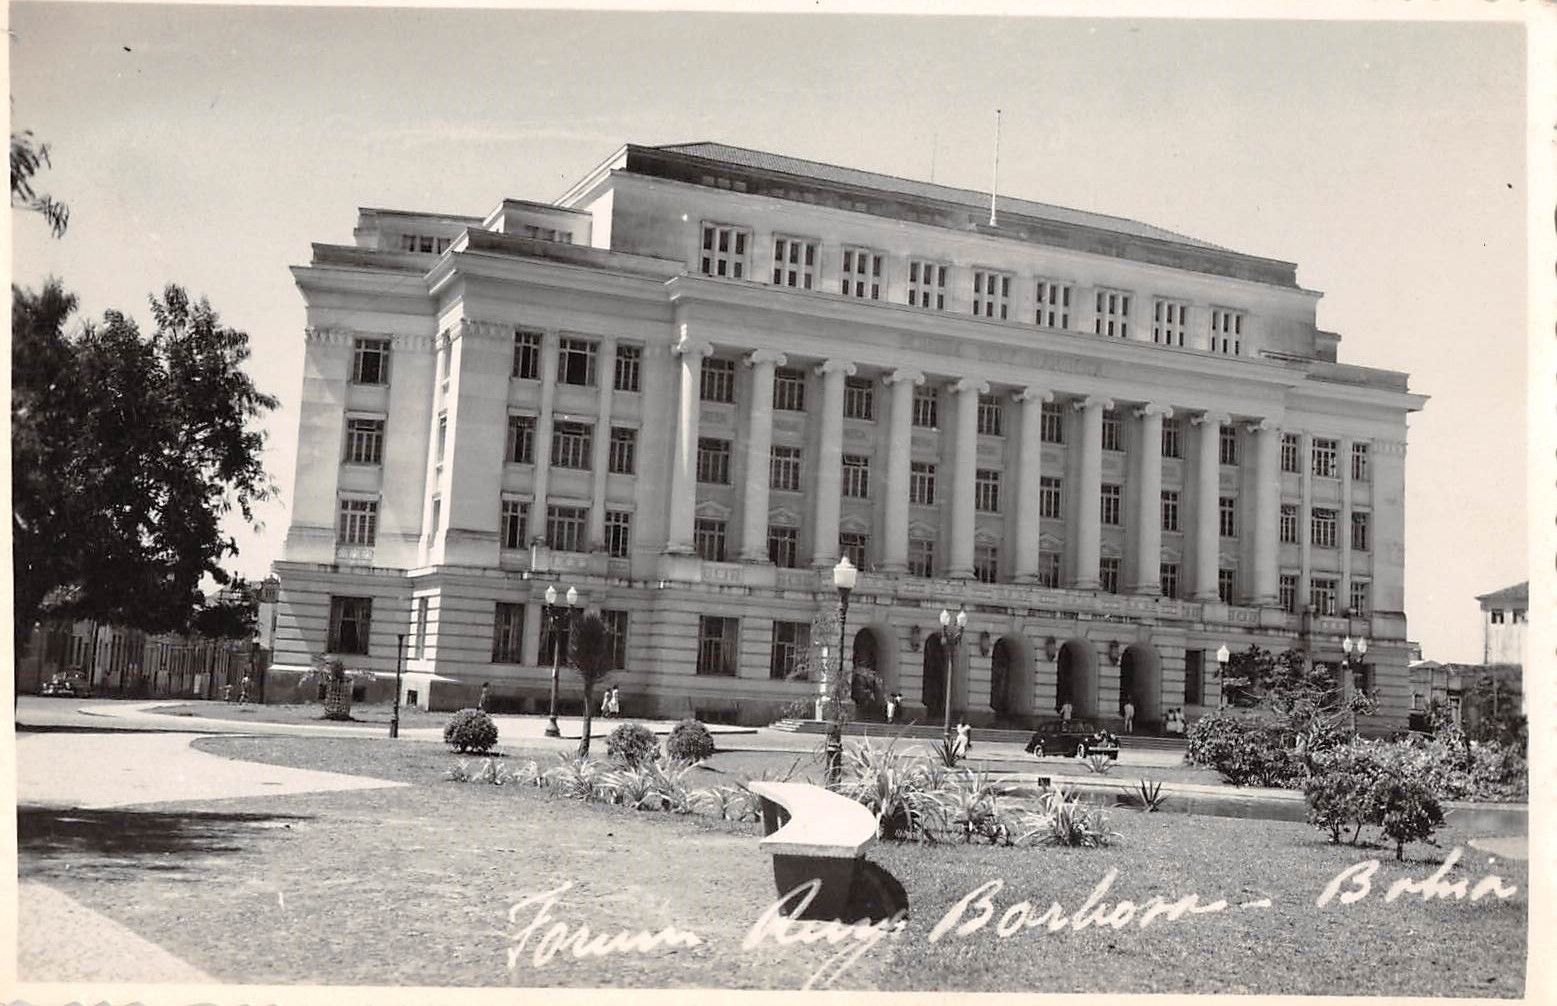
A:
[1109,500]
[1168,322]
[514,516]
[1053,304]
[1111,437]
[794,262]
[443,438]
[1324,458]
[1287,592]
[1227,445]
[784,468]
[629,360]
[859,398]
[927,285]
[1113,314]
[572,445]
[1360,536]
[1172,438]
[1518,615]
[718,380]
[783,546]
[1289,523]
[708,539]
[576,361]
[1048,569]
[713,461]
[520,449]
[527,355]
[622,457]
[789,389]
[861,274]
[921,483]
[924,407]
[1168,577]
[1226,332]
[546,234]
[364,441]
[986,490]
[991,293]
[1495,616]
[856,476]
[370,361]
[1049,487]
[1359,462]
[424,243]
[1360,601]
[1051,423]
[1170,510]
[565,528]
[1322,527]
[1291,447]
[1226,585]
[724,251]
[921,557]
[1227,516]
[1321,595]
[358,522]
[986,563]
[855,546]
[989,415]
[618,533]
[1108,574]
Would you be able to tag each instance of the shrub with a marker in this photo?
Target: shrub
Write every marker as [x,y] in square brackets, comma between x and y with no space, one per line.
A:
[470,730]
[969,806]
[731,803]
[1247,749]
[1149,795]
[690,742]
[1340,790]
[892,787]
[1064,820]
[1099,764]
[1407,809]
[578,778]
[632,744]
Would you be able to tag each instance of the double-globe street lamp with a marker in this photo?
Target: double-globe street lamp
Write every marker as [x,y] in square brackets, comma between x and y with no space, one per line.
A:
[556,616]
[951,638]
[1223,655]
[1355,650]
[845,575]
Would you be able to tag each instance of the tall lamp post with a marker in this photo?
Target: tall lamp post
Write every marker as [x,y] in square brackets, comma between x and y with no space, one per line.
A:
[844,578]
[555,614]
[394,718]
[1223,655]
[951,637]
[1355,651]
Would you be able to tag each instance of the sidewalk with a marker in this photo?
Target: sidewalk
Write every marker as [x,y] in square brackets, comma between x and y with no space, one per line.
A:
[52,928]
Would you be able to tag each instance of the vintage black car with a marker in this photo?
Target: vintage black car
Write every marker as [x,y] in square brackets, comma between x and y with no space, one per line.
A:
[67,687]
[1081,738]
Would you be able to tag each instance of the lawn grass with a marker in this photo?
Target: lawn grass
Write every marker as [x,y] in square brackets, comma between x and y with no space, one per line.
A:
[304,712]
[414,886]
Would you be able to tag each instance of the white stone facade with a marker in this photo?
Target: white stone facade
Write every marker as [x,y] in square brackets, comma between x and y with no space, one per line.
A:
[1062,477]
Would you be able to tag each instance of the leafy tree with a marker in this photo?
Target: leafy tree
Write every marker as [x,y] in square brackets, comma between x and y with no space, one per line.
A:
[26,158]
[231,616]
[589,653]
[127,452]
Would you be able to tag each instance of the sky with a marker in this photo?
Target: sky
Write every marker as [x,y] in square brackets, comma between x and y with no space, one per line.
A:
[209,146]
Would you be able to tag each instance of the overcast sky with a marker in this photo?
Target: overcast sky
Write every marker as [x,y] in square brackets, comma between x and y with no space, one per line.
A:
[210,146]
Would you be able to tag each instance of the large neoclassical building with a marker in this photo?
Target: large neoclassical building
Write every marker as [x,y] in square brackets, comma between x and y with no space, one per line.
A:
[703,374]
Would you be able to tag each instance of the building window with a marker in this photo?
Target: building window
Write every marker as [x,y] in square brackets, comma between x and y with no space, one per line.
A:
[358,523]
[1194,677]
[1169,577]
[1495,616]
[990,415]
[724,251]
[991,294]
[716,645]
[508,633]
[351,620]
[1172,438]
[629,361]
[1359,462]
[1518,615]
[437,514]
[1359,532]
[616,637]
[370,361]
[708,538]
[565,528]
[921,557]
[364,441]
[1227,445]
[1359,598]
[1051,423]
[1289,523]
[927,285]
[1291,447]
[1113,314]
[791,641]
[855,546]
[856,476]
[618,533]
[986,563]
[718,380]
[1170,510]
[1227,516]
[512,528]
[1287,592]
[1109,500]
[861,274]
[419,647]
[576,362]
[424,243]
[859,398]
[1111,439]
[713,461]
[1321,596]
[986,490]
[1108,574]
[924,408]
[921,483]
[789,389]
[784,468]
[1168,322]
[1324,459]
[1322,528]
[622,455]
[1226,584]
[1226,332]
[783,546]
[554,639]
[1053,304]
[1048,569]
[794,262]
[572,445]
[1049,496]
[527,355]
[520,449]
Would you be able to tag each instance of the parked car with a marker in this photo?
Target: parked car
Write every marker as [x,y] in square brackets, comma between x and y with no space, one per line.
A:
[67,687]
[1082,738]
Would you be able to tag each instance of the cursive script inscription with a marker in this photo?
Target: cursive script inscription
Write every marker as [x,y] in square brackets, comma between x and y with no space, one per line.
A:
[774,925]
[583,946]
[1357,880]
[1093,912]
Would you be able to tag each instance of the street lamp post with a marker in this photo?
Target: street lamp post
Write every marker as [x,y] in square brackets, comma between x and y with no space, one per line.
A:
[951,637]
[394,718]
[1223,655]
[1355,650]
[555,613]
[844,578]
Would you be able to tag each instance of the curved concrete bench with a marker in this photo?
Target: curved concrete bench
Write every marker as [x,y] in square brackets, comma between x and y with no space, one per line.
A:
[815,834]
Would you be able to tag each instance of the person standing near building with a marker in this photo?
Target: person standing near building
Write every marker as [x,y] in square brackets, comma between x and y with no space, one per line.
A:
[485,697]
[1065,712]
[243,691]
[891,709]
[964,740]
[1129,715]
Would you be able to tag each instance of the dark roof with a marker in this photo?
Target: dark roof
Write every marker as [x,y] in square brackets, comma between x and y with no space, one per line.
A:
[763,161]
[1517,596]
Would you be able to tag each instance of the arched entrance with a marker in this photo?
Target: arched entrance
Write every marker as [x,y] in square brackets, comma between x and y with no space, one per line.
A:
[1011,678]
[934,693]
[1140,681]
[1077,678]
[867,685]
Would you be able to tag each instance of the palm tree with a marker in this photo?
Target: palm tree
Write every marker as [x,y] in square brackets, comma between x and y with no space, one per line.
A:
[589,651]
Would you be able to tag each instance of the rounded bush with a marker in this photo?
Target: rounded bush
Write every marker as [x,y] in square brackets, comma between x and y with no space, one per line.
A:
[690,741]
[470,730]
[632,744]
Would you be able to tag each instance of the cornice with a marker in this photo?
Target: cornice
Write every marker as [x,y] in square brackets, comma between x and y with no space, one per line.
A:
[340,335]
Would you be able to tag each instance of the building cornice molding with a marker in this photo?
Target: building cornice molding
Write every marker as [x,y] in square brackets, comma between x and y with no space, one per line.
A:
[341,335]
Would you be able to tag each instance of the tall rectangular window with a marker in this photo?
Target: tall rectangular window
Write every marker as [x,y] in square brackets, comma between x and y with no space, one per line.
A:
[986,563]
[364,441]
[856,476]
[572,445]
[622,455]
[718,380]
[1108,574]
[1227,516]
[1051,423]
[921,557]
[508,633]
[1168,322]
[1170,510]
[783,546]
[1168,574]
[784,468]
[1048,569]
[527,355]
[1227,445]
[1321,595]
[616,637]
[789,389]
[1291,448]
[1359,462]
[512,529]
[1287,590]
[991,293]
[1226,585]
[1194,676]
[986,490]
[921,483]
[1360,538]
[861,274]
[358,522]
[855,546]
[1109,502]
[1053,304]
[1113,314]
[1324,451]
[351,624]
[370,361]
[927,285]
[419,649]
[716,645]
[566,528]
[1322,527]
[859,398]
[629,363]
[1289,523]
[713,461]
[990,416]
[794,262]
[618,533]
[1226,332]
[1359,599]
[1111,432]
[520,449]
[443,437]
[576,361]
[708,538]
[724,251]
[1049,504]
[791,640]
[1172,438]
[924,407]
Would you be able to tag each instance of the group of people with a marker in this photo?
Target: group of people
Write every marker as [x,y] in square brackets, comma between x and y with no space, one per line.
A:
[243,694]
[610,699]
[1173,723]
[894,706]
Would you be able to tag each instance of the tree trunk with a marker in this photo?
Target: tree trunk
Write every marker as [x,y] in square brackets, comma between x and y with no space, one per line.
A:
[589,705]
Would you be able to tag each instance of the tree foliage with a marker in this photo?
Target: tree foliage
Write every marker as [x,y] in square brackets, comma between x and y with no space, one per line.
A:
[232,615]
[27,157]
[589,653]
[127,451]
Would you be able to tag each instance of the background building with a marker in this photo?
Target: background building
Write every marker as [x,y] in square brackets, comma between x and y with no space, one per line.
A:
[692,382]
[1503,619]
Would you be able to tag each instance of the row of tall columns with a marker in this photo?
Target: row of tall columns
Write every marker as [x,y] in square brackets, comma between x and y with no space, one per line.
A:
[754,533]
[964,464]
[683,471]
[1148,579]
[1087,511]
[894,555]
[829,464]
[1267,510]
[1208,493]
[1029,480]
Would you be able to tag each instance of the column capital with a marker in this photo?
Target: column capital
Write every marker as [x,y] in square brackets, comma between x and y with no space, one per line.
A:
[760,356]
[1092,402]
[913,377]
[836,366]
[1032,394]
[1212,419]
[965,384]
[689,346]
[1154,409]
[1261,426]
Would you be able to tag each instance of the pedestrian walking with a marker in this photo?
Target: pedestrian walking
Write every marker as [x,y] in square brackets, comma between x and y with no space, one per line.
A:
[485,697]
[1129,715]
[243,691]
[964,740]
[1065,712]
[891,709]
[227,692]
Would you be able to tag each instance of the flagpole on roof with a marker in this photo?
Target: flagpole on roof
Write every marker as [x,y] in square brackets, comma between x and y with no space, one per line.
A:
[994,184]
